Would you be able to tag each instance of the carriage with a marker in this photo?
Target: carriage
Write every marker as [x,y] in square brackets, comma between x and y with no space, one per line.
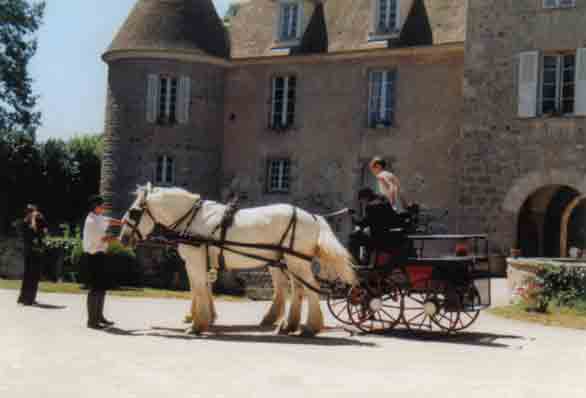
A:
[401,286]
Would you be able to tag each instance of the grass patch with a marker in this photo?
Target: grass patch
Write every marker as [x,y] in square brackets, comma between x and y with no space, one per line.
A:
[566,317]
[75,288]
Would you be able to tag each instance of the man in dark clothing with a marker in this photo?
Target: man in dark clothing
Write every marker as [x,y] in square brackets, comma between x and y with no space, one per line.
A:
[33,230]
[379,217]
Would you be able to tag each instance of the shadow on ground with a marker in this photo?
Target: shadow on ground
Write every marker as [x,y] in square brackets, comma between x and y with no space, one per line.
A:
[492,340]
[241,334]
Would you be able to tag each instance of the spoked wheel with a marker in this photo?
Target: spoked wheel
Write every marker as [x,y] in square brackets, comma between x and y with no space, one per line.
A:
[338,302]
[471,303]
[419,309]
[376,307]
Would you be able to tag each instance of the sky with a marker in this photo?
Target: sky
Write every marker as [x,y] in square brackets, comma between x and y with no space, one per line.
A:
[68,73]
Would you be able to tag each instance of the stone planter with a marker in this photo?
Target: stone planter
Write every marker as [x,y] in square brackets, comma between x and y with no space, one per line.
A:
[522,273]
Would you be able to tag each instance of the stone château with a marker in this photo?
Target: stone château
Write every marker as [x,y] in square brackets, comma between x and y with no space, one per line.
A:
[478,105]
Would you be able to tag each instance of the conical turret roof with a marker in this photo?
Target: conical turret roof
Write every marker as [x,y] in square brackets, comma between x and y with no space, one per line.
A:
[181,25]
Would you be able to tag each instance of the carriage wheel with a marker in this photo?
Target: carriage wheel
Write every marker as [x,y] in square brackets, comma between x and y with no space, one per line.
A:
[471,302]
[338,303]
[377,307]
[416,316]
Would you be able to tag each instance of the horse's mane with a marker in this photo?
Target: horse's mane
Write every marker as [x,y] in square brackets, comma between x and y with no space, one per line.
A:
[177,190]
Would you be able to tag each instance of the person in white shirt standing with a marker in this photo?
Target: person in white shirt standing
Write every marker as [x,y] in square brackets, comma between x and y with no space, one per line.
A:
[388,184]
[95,244]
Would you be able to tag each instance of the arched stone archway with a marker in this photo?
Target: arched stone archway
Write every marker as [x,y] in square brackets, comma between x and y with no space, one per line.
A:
[523,187]
[539,220]
[564,227]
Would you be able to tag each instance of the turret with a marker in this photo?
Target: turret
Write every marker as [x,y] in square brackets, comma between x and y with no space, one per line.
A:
[164,112]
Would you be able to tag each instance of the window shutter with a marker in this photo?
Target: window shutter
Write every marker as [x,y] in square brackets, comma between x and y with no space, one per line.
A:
[184,100]
[299,33]
[398,14]
[528,83]
[152,98]
[580,100]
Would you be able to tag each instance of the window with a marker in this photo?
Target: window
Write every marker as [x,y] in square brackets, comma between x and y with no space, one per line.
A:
[558,83]
[289,21]
[168,99]
[381,98]
[283,102]
[165,172]
[386,16]
[559,3]
[278,175]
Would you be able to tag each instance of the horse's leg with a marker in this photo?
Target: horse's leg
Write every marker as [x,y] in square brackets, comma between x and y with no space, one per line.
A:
[188,317]
[211,304]
[294,318]
[315,320]
[200,307]
[277,309]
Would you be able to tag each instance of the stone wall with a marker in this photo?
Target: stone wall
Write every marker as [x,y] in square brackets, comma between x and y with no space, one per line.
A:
[132,145]
[331,143]
[504,158]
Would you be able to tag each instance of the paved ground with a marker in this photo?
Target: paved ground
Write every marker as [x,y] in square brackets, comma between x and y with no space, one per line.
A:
[46,352]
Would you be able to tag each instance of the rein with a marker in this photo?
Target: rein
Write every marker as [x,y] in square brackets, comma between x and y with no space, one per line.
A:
[223,244]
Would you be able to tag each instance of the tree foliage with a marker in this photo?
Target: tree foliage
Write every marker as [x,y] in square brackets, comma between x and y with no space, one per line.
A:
[19,20]
[59,176]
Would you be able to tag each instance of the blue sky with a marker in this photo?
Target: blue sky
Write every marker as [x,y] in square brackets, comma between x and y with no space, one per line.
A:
[67,70]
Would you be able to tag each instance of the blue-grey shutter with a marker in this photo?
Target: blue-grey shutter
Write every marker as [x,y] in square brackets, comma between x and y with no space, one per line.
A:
[528,80]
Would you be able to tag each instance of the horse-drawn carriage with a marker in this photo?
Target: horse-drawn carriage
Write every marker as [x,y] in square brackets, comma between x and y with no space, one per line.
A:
[396,285]
[400,285]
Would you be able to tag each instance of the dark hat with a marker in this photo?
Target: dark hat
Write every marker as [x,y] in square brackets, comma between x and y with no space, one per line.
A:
[95,201]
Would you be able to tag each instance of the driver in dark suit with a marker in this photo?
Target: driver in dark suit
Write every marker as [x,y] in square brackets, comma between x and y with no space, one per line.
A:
[379,218]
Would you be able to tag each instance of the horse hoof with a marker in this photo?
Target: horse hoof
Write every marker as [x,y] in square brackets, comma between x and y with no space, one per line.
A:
[268,322]
[306,332]
[283,329]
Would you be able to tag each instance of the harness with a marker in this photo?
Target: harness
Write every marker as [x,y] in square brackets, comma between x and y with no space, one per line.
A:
[171,237]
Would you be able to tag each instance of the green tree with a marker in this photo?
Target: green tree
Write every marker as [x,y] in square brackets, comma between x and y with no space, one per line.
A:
[86,151]
[19,20]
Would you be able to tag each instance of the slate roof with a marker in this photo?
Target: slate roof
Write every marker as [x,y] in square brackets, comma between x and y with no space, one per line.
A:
[344,25]
[182,25]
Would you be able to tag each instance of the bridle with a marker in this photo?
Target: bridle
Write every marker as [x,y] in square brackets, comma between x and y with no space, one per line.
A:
[136,215]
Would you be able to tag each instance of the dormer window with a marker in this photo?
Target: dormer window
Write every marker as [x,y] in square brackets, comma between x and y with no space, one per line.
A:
[386,17]
[289,25]
[559,3]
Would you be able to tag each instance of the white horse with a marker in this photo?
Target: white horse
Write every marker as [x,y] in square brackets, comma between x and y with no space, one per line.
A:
[269,225]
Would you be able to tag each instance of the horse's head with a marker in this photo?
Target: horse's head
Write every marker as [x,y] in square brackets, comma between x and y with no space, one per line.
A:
[138,222]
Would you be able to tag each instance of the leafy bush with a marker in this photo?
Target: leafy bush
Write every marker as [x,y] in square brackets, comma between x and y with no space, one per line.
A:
[564,286]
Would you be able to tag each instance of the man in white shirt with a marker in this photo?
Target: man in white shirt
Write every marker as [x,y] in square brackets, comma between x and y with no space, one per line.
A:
[388,184]
[95,244]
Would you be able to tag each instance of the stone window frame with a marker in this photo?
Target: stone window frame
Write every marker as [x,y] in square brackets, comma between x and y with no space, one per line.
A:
[382,123]
[556,4]
[282,188]
[284,125]
[389,32]
[560,81]
[163,164]
[289,40]
[172,106]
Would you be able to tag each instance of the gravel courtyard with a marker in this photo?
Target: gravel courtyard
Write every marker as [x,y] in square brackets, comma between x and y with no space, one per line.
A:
[47,352]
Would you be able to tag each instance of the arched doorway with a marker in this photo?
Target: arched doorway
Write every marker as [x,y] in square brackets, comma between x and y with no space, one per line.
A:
[573,227]
[540,220]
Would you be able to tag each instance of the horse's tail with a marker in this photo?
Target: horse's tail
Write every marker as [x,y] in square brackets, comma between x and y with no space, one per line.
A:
[332,256]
